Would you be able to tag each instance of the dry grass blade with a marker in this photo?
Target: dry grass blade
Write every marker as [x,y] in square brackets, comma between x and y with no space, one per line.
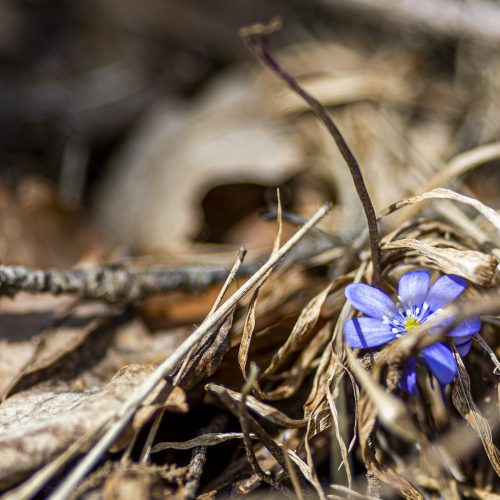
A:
[245,427]
[210,439]
[263,410]
[248,423]
[462,163]
[278,451]
[249,326]
[307,472]
[301,332]
[479,340]
[248,329]
[462,399]
[488,213]
[296,374]
[127,410]
[202,360]
[191,371]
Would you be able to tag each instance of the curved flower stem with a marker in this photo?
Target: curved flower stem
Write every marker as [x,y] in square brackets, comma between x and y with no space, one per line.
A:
[257,38]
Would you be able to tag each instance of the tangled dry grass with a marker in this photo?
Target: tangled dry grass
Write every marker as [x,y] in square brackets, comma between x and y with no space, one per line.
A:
[267,377]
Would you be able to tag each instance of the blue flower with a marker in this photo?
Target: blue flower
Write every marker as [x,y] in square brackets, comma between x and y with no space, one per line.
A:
[385,321]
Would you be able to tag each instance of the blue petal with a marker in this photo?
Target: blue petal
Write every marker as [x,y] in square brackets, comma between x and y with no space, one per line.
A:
[440,360]
[361,333]
[408,380]
[371,301]
[466,328]
[463,346]
[445,290]
[413,288]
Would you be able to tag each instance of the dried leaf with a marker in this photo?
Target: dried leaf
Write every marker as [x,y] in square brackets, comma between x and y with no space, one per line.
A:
[208,356]
[266,411]
[478,267]
[210,439]
[295,375]
[248,329]
[40,338]
[37,426]
[301,332]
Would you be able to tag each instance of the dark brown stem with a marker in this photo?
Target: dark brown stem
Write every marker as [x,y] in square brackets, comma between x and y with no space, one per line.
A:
[199,457]
[257,40]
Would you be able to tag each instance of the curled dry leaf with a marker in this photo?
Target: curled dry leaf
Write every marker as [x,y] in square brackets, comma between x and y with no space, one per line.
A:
[37,426]
[301,332]
[208,356]
[210,439]
[46,331]
[440,193]
[478,267]
[266,411]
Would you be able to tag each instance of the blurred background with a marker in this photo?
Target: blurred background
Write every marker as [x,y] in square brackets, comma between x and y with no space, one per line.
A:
[149,127]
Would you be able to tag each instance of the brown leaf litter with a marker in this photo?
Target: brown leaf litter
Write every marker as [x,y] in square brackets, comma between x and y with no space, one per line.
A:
[263,394]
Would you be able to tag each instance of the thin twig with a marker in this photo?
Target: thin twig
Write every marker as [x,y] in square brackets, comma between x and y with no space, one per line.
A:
[230,278]
[199,457]
[128,409]
[257,38]
[245,427]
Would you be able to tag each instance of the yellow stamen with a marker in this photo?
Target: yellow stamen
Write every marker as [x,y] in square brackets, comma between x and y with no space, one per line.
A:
[411,323]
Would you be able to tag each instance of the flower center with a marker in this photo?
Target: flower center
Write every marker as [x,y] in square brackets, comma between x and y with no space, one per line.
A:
[411,323]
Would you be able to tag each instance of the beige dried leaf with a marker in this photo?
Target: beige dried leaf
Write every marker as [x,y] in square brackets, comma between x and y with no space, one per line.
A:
[36,426]
[40,340]
[210,439]
[151,196]
[301,332]
[295,375]
[249,325]
[208,356]
[478,267]
[266,411]
[248,329]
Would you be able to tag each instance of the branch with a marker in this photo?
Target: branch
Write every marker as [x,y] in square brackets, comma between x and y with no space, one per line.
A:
[116,283]
[113,283]
[257,39]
